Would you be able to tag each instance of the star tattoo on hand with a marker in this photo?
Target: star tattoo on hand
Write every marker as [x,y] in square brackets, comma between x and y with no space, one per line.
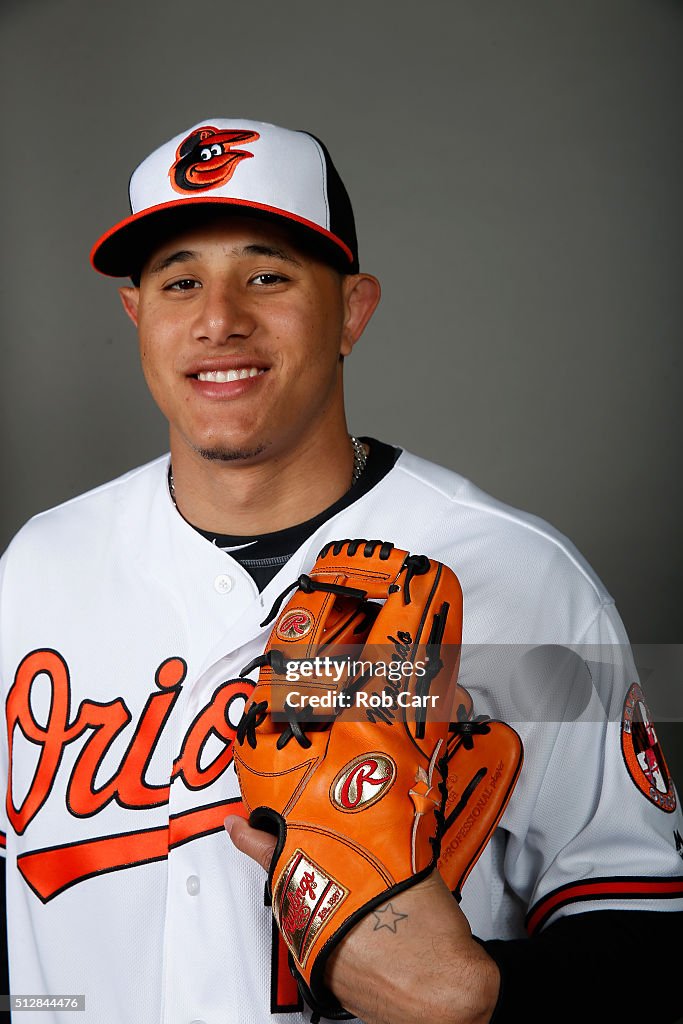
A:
[387,918]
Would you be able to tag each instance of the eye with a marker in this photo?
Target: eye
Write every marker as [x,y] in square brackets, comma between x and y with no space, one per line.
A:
[205,153]
[185,284]
[267,278]
[216,149]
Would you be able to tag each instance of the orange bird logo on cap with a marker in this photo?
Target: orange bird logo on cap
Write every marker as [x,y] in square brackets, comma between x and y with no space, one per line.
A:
[205,159]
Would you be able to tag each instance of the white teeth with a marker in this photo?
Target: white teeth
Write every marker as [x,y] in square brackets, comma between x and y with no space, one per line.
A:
[224,376]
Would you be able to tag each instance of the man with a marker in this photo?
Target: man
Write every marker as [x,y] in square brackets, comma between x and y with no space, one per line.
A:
[121,670]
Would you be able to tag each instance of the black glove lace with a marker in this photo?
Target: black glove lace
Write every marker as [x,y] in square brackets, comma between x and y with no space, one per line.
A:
[294,729]
[307,585]
[468,728]
[249,723]
[414,565]
[432,668]
[274,658]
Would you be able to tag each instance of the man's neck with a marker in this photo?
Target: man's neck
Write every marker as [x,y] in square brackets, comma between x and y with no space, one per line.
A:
[265,493]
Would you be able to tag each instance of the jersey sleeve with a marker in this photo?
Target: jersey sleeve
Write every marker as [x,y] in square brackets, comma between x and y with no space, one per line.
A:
[600,825]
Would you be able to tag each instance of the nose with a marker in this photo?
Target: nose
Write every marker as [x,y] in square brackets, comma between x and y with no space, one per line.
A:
[223,316]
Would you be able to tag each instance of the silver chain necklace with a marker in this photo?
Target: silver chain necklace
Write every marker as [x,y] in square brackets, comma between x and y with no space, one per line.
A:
[360,458]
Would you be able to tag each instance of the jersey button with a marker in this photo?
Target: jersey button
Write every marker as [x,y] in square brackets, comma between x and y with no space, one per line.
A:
[223,583]
[197,1021]
[192,885]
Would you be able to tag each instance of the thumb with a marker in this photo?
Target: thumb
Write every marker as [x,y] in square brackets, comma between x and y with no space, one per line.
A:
[256,844]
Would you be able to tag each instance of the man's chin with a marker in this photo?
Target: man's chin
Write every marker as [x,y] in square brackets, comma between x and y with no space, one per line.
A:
[221,453]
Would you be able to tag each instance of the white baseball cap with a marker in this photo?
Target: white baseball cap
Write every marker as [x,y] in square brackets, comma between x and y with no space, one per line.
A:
[254,168]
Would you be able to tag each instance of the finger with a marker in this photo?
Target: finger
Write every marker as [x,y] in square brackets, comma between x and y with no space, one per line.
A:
[256,844]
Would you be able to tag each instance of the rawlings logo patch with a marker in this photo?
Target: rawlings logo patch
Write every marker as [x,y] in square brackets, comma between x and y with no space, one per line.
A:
[642,753]
[305,898]
[362,782]
[294,624]
[206,160]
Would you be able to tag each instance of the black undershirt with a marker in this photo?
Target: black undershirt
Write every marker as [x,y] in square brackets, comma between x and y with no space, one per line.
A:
[589,968]
[268,552]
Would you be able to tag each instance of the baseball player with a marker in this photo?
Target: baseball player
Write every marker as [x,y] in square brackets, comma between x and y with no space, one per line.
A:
[121,670]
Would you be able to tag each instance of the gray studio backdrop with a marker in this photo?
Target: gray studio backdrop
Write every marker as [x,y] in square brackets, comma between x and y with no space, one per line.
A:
[516,171]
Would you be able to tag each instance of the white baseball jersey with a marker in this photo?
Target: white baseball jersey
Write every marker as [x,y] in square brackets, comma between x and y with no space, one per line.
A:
[122,636]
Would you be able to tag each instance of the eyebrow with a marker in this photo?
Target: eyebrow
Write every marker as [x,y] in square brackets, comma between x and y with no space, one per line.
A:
[272,251]
[182,256]
[253,249]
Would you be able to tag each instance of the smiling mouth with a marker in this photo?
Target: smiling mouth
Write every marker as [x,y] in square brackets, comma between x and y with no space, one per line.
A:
[226,376]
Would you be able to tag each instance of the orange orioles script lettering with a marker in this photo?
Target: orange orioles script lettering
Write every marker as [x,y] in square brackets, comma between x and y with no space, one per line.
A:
[96,726]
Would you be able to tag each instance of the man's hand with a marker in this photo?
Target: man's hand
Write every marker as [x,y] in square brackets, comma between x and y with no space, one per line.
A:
[412,959]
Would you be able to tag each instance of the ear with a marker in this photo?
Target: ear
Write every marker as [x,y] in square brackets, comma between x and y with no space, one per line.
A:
[130,297]
[361,294]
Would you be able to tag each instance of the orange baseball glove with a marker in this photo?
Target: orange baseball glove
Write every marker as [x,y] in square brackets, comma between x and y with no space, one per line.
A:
[345,748]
